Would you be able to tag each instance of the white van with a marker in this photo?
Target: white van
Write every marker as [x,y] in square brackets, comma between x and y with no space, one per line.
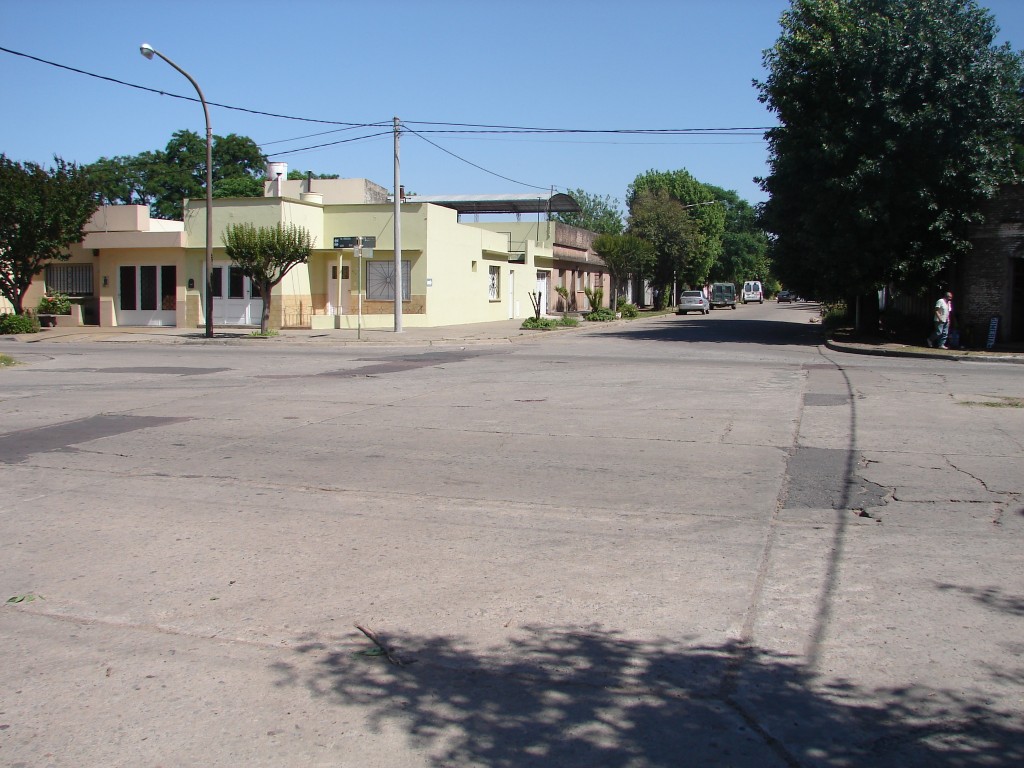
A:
[752,291]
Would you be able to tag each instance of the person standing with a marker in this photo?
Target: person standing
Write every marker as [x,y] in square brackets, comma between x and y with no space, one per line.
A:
[943,311]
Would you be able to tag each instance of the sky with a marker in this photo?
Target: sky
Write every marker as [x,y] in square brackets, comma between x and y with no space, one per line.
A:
[441,65]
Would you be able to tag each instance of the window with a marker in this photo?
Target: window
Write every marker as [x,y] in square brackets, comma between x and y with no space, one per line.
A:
[168,300]
[579,281]
[494,283]
[128,288]
[148,288]
[72,279]
[236,283]
[380,280]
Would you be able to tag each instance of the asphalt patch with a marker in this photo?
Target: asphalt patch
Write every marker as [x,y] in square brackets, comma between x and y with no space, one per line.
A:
[15,447]
[826,478]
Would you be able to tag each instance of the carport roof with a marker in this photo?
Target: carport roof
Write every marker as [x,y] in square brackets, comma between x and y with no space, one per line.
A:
[538,203]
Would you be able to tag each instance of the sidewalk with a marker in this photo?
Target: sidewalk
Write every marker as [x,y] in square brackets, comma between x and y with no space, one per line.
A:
[504,331]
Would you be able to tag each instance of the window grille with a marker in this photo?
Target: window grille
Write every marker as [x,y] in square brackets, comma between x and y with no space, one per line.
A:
[72,279]
[380,281]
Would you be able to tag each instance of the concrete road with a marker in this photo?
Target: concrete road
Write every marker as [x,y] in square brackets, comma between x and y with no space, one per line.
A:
[701,540]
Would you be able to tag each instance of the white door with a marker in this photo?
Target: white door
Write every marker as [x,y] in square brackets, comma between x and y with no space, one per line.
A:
[236,300]
[542,289]
[511,294]
[346,289]
[333,298]
[146,294]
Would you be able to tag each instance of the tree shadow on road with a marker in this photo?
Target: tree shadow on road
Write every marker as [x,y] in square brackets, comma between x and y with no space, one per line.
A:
[707,329]
[591,697]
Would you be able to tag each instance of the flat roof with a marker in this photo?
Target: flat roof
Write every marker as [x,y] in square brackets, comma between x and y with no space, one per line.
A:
[513,203]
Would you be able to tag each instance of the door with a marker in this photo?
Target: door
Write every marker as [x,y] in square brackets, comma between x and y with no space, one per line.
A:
[236,301]
[542,289]
[146,294]
[333,306]
[511,294]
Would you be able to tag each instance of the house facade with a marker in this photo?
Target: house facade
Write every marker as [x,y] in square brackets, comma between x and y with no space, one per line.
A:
[132,270]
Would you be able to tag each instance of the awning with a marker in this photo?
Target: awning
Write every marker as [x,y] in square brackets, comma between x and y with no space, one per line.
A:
[521,203]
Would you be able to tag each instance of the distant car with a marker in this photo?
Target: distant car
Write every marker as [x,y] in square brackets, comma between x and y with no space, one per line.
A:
[785,296]
[752,291]
[692,301]
[723,295]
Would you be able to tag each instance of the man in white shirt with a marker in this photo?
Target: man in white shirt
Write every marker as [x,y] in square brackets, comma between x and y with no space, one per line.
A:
[943,310]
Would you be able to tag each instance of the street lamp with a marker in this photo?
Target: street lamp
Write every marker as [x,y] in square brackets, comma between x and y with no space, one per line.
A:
[149,51]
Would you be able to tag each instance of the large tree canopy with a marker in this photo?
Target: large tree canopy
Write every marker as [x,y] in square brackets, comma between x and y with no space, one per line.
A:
[896,120]
[744,253]
[598,214]
[42,212]
[162,179]
[681,218]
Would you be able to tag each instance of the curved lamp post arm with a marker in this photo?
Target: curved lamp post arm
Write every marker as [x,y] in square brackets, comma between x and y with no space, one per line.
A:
[149,52]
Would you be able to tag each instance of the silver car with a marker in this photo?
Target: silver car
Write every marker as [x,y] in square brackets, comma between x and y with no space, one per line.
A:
[692,301]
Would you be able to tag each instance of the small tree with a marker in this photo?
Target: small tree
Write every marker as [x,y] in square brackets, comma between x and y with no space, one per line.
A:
[266,254]
[42,212]
[624,255]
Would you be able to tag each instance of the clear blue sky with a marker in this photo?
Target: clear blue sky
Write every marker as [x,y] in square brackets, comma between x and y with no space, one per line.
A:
[587,64]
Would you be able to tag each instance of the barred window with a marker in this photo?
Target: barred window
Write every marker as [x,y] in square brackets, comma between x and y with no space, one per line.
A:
[494,283]
[380,280]
[72,279]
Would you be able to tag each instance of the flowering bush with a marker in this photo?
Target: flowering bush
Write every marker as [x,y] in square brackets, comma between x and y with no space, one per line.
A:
[54,304]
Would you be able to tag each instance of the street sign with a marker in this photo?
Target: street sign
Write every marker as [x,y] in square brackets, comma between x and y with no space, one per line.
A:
[352,242]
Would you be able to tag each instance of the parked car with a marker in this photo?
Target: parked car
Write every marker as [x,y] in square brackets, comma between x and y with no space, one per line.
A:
[752,291]
[785,296]
[692,301]
[723,295]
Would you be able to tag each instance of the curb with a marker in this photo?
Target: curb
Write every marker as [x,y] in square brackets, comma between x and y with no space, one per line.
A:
[953,356]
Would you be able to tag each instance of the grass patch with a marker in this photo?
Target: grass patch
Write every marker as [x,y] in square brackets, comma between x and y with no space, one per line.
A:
[267,335]
[6,360]
[999,402]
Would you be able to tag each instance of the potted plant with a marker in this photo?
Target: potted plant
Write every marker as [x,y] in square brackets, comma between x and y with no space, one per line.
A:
[52,304]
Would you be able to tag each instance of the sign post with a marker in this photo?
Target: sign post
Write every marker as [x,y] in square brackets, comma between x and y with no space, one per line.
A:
[357,244]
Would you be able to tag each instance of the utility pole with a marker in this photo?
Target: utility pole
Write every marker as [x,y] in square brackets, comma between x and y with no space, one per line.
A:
[398,235]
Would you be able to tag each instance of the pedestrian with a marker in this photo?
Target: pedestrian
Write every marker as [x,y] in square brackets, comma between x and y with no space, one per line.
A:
[943,311]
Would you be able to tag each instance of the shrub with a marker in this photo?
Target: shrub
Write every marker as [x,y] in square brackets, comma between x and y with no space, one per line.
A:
[602,315]
[54,304]
[629,310]
[568,321]
[10,324]
[538,324]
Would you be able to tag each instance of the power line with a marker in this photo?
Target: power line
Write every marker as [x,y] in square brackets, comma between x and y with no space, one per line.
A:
[179,96]
[468,162]
[328,144]
[450,129]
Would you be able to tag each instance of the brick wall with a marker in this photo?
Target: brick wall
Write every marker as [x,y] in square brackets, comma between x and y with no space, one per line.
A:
[985,276]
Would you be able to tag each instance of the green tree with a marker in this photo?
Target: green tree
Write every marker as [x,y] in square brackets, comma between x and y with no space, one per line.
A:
[42,212]
[164,178]
[896,120]
[744,243]
[266,254]
[624,255]
[674,236]
[297,175]
[597,214]
[704,243]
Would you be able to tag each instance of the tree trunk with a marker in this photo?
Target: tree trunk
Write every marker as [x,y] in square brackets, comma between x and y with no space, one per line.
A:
[265,289]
